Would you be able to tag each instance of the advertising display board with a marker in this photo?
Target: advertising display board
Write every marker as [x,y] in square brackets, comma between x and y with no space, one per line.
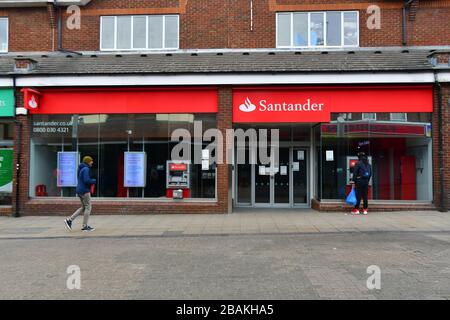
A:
[68,169]
[135,169]
[6,170]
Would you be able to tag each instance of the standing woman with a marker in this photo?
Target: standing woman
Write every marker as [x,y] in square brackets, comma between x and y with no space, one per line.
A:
[84,193]
[362,173]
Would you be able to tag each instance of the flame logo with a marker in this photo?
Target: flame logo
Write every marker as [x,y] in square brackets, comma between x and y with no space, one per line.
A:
[247,106]
[32,103]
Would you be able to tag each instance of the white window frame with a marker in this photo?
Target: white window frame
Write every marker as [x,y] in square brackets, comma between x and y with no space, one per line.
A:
[324,13]
[398,120]
[146,33]
[343,28]
[372,114]
[7,34]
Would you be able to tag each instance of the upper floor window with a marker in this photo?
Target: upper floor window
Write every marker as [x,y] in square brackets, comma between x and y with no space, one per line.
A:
[3,34]
[318,29]
[139,32]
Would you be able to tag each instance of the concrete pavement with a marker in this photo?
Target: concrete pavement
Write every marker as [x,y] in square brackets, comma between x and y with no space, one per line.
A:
[413,265]
[242,222]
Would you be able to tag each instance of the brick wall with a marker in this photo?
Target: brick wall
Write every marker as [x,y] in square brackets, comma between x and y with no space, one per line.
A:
[446,146]
[226,24]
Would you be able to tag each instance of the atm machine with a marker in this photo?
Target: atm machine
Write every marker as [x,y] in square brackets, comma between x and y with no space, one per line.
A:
[178,179]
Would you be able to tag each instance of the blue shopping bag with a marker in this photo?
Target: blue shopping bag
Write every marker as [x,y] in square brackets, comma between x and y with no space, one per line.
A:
[351,198]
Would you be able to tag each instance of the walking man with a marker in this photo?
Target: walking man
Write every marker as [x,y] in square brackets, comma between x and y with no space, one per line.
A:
[362,173]
[84,193]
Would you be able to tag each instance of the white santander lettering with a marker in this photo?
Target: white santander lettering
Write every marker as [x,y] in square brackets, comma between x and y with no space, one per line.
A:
[290,107]
[263,107]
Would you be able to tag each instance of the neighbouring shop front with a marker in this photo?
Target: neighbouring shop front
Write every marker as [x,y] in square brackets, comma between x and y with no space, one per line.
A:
[6,146]
[321,131]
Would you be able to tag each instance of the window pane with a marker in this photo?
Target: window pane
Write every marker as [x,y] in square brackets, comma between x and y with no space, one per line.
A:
[123,32]
[139,32]
[398,116]
[284,29]
[3,34]
[317,29]
[350,29]
[155,32]
[398,152]
[107,32]
[171,40]
[369,116]
[113,142]
[334,29]
[300,29]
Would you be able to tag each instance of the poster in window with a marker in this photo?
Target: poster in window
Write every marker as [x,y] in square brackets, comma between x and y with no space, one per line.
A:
[135,169]
[6,170]
[67,169]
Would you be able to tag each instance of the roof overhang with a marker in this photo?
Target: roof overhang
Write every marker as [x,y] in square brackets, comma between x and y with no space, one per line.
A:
[40,3]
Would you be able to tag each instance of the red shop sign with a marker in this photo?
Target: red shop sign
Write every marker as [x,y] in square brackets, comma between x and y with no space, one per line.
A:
[31,99]
[127,100]
[315,104]
[178,167]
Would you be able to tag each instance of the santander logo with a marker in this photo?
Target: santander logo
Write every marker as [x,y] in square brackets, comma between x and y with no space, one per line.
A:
[268,106]
[247,106]
[32,102]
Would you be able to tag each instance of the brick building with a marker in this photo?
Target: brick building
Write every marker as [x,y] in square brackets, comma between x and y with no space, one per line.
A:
[113,79]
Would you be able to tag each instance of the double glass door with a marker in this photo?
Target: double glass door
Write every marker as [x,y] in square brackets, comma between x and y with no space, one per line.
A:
[282,184]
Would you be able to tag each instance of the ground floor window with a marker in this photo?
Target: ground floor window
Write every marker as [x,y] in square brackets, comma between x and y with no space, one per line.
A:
[399,149]
[107,138]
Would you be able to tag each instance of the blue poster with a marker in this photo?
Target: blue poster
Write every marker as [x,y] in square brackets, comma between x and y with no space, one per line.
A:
[135,169]
[67,169]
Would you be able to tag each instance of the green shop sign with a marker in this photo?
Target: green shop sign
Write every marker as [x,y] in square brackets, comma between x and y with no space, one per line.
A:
[6,170]
[6,103]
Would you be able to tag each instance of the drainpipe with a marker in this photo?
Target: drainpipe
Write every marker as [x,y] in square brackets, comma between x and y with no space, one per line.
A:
[443,206]
[406,5]
[18,147]
[60,30]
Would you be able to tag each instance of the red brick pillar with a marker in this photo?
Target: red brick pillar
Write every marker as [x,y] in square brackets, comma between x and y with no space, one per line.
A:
[22,144]
[439,174]
[224,122]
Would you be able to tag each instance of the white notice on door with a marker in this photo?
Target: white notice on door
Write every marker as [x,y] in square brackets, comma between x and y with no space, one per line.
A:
[301,154]
[205,154]
[296,166]
[329,155]
[283,170]
[205,164]
[262,170]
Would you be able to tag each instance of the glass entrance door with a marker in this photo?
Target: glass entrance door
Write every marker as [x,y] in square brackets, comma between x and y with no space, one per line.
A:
[300,176]
[277,185]
[281,179]
[263,184]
